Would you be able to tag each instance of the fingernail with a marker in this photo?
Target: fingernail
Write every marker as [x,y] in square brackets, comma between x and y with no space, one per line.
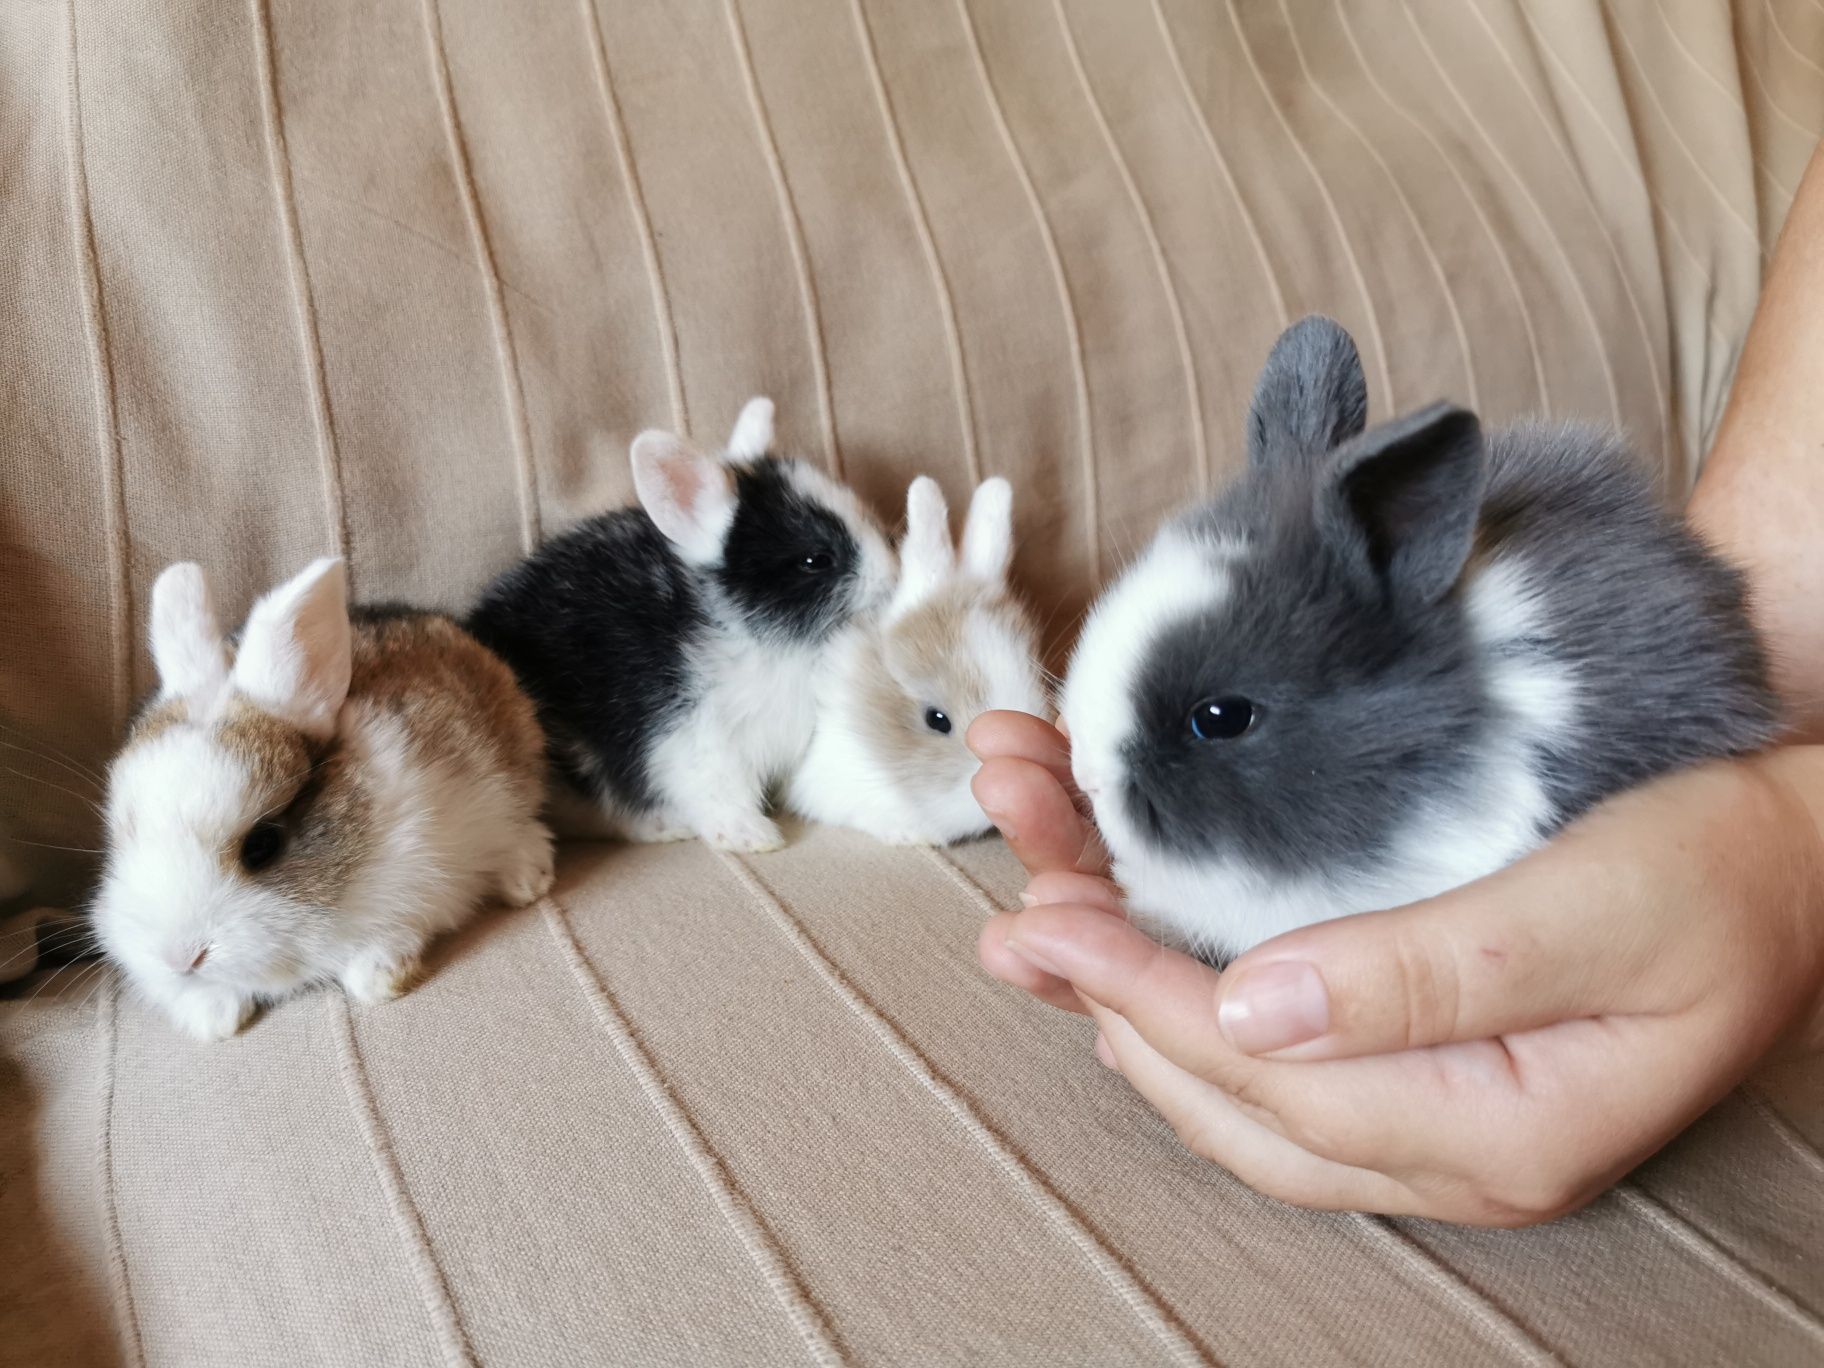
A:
[1027,899]
[1104,1052]
[1035,959]
[1274,1007]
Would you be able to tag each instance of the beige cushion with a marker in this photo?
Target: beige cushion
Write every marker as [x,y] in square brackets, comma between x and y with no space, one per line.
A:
[401,279]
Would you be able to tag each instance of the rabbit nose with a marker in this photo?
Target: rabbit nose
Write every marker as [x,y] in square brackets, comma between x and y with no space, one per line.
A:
[187,959]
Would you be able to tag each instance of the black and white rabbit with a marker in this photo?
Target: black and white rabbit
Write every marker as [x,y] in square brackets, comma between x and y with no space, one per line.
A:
[1385,663]
[673,649]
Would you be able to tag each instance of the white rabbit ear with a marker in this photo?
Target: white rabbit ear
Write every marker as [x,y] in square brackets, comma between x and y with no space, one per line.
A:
[753,434]
[926,556]
[187,645]
[296,651]
[988,533]
[690,496]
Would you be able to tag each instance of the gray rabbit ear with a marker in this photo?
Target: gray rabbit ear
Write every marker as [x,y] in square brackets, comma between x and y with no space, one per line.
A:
[1311,398]
[1401,503]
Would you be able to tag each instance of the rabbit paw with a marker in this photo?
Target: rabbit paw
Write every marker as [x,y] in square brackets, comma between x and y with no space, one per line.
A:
[528,873]
[380,976]
[749,832]
[209,1015]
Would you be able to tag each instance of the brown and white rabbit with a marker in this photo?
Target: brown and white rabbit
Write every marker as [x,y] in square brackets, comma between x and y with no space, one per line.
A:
[312,803]
[887,756]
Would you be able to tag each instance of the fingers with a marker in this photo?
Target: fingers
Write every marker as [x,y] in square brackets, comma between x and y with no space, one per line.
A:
[1037,817]
[1020,736]
[1085,890]
[1213,1125]
[1009,966]
[1168,997]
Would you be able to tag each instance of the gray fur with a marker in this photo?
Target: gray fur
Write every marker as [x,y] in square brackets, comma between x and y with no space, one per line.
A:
[1348,626]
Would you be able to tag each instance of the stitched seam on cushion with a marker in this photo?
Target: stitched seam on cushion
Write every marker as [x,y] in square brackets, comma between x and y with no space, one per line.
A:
[1475,205]
[1336,219]
[433,1286]
[749,1227]
[1441,1276]
[954,872]
[921,221]
[1662,403]
[1168,285]
[636,199]
[1222,166]
[1399,193]
[1659,107]
[1802,1148]
[107,403]
[310,343]
[1738,97]
[1708,1251]
[1073,325]
[506,354]
[794,231]
[1526,193]
[1024,1177]
[107,1008]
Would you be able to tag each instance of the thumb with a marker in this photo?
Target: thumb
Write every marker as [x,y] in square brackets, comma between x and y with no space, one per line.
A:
[1546,940]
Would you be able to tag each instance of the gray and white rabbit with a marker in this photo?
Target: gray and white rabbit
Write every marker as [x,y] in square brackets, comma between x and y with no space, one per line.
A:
[1387,662]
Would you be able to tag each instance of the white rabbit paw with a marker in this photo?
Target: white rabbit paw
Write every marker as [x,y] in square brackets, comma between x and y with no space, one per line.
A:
[207,1015]
[751,832]
[655,828]
[380,976]
[528,872]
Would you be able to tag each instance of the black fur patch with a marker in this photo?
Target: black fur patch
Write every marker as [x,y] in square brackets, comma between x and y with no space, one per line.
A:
[599,623]
[774,563]
[596,626]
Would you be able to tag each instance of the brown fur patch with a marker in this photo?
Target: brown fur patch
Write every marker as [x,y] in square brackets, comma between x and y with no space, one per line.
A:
[921,662]
[157,719]
[458,700]
[329,834]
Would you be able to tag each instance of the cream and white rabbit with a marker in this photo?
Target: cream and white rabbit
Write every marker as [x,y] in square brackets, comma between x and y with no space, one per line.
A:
[887,756]
[312,803]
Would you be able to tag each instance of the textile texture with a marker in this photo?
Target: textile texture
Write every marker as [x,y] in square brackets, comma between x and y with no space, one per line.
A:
[400,279]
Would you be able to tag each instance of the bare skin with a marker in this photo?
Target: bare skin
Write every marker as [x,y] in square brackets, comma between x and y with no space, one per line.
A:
[1501,1054]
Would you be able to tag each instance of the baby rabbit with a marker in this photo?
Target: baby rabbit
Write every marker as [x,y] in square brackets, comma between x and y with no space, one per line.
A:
[674,649]
[1386,663]
[313,803]
[888,756]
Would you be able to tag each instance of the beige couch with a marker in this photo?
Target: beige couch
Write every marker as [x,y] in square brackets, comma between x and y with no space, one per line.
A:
[400,278]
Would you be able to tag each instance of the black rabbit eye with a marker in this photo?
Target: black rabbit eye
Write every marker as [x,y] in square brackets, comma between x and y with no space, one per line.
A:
[1221,719]
[261,846]
[817,562]
[938,720]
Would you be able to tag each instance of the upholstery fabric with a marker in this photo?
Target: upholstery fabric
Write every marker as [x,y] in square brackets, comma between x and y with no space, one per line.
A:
[400,279]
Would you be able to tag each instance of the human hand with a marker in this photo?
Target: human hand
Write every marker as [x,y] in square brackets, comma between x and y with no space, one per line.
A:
[1498,1055]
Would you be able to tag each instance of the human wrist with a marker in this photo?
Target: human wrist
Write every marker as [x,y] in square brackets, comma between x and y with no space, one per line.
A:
[1797,774]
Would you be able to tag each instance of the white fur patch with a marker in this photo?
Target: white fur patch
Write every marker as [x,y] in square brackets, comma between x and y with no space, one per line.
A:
[1177,577]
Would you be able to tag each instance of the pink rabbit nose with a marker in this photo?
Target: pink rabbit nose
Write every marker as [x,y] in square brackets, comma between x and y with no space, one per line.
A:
[187,960]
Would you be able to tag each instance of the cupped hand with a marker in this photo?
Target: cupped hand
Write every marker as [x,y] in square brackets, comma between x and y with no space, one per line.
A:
[1498,1055]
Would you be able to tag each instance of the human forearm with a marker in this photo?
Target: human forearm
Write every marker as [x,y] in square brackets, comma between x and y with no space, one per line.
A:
[1761,498]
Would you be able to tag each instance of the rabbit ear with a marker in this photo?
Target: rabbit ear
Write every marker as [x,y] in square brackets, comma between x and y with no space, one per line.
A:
[988,532]
[1401,503]
[296,650]
[753,434]
[690,496]
[926,556]
[187,645]
[1311,397]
